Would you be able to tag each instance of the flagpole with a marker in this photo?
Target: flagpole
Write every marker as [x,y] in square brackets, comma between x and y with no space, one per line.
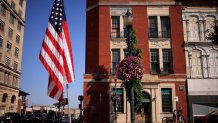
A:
[69,113]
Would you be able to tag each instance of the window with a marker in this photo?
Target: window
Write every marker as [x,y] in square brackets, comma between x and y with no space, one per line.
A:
[16,52]
[3,10]
[20,13]
[8,47]
[12,5]
[0,60]
[13,98]
[7,61]
[115,59]
[10,33]
[196,65]
[15,65]
[165,30]
[1,41]
[159,27]
[154,61]
[153,29]
[2,26]
[12,18]
[213,64]
[17,39]
[19,26]
[166,94]
[6,78]
[21,3]
[193,29]
[120,101]
[4,98]
[167,62]
[115,27]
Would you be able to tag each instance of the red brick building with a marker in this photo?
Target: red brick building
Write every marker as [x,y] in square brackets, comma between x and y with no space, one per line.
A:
[159,31]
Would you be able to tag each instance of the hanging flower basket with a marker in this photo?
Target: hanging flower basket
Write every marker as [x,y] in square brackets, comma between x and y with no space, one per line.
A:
[130,68]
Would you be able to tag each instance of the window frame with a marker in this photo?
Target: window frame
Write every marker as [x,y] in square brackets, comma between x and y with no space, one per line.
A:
[7,61]
[158,31]
[15,65]
[12,19]
[17,39]
[164,99]
[3,10]
[115,26]
[1,41]
[9,46]
[168,62]
[21,3]
[13,5]
[168,32]
[19,26]
[154,33]
[10,33]
[156,63]
[120,107]
[113,70]
[16,52]
[2,26]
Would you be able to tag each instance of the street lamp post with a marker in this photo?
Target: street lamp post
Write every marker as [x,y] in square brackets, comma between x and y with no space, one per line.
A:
[128,22]
[115,100]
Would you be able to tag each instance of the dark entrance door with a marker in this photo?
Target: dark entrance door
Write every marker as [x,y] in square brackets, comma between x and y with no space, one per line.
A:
[144,112]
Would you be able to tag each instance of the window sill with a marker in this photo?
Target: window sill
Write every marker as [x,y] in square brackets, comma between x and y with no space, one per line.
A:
[166,112]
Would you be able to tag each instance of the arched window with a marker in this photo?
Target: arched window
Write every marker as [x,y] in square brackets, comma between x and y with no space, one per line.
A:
[13,98]
[213,63]
[193,29]
[5,97]
[196,65]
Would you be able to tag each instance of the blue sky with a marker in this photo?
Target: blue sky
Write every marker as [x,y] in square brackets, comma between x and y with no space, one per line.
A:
[34,77]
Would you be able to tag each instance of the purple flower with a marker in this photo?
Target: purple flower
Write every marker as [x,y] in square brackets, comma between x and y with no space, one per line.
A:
[130,68]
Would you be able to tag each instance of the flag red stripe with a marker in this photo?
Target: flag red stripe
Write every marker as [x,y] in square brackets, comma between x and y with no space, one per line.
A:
[66,67]
[54,42]
[53,58]
[52,74]
[54,90]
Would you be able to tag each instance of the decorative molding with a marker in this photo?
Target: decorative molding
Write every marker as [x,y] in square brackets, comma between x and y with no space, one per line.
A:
[119,11]
[160,42]
[157,3]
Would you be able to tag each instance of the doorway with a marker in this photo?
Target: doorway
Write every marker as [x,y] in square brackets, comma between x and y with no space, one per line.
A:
[144,112]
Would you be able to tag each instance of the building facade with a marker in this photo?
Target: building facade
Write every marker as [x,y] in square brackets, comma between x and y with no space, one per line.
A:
[201,60]
[12,21]
[180,63]
[159,32]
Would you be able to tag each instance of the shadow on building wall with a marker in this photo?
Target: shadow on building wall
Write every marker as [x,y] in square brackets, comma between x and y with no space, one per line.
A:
[97,93]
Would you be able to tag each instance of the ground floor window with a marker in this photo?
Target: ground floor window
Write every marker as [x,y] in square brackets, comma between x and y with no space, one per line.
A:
[120,101]
[166,94]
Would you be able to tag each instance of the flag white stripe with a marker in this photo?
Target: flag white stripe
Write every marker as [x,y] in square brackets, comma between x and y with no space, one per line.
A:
[50,87]
[52,66]
[55,35]
[58,94]
[54,50]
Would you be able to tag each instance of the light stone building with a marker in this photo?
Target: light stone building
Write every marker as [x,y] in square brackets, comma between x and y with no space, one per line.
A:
[12,21]
[201,60]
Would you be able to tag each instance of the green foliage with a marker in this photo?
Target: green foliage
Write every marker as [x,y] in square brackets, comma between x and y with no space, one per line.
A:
[213,36]
[136,83]
[137,92]
[135,51]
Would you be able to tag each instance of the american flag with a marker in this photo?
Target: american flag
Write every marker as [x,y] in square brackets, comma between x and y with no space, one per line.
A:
[56,53]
